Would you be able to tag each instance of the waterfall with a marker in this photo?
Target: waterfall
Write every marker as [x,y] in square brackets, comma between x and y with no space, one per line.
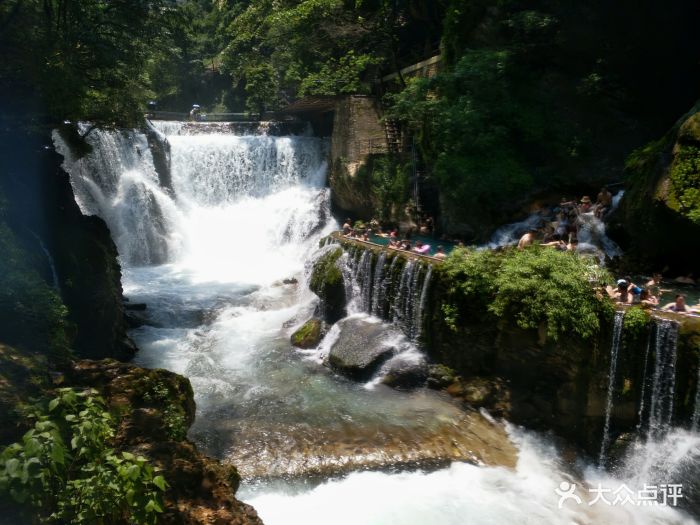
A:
[644,384]
[696,411]
[377,288]
[230,194]
[118,182]
[420,311]
[664,380]
[396,294]
[617,331]
[509,234]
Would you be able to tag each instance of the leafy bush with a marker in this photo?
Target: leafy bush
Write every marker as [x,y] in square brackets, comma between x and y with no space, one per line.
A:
[685,182]
[540,284]
[635,324]
[65,469]
[532,286]
[174,417]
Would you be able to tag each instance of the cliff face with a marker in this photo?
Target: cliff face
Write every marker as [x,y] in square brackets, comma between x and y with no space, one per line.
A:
[74,254]
[659,217]
[61,304]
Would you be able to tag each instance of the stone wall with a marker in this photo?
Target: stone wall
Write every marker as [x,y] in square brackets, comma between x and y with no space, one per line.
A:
[357,133]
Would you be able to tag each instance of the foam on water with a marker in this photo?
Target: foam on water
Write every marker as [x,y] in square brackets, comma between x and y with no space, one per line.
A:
[461,493]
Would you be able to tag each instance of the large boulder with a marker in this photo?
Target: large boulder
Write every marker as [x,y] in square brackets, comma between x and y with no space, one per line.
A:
[405,370]
[361,348]
[327,282]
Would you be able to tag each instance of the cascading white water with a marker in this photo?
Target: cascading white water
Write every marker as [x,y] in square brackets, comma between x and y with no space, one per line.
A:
[207,256]
[614,349]
[640,413]
[372,289]
[377,295]
[664,382]
[509,234]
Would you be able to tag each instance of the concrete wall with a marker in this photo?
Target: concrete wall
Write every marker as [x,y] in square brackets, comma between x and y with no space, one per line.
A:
[357,131]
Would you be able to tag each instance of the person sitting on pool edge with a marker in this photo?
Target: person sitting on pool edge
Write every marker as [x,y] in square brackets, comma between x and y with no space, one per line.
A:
[440,253]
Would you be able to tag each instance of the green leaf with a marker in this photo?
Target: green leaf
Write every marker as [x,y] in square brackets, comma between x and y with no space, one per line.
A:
[53,404]
[159,481]
[12,466]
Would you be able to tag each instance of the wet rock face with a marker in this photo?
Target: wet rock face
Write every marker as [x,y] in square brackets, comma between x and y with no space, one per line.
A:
[156,409]
[40,206]
[360,350]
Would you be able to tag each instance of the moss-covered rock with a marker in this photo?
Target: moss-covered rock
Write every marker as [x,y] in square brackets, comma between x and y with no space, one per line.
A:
[327,282]
[309,335]
[200,489]
[659,218]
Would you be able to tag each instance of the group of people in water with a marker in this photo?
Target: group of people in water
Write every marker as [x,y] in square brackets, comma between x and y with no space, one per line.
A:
[562,232]
[649,295]
[364,233]
[561,235]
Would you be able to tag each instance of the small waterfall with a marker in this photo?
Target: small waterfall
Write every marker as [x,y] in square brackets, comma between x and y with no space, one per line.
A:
[696,412]
[377,288]
[644,384]
[402,303]
[592,236]
[420,311]
[664,381]
[509,234]
[384,305]
[366,280]
[617,332]
[396,293]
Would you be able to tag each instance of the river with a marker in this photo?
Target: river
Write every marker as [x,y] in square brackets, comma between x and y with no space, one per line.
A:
[209,248]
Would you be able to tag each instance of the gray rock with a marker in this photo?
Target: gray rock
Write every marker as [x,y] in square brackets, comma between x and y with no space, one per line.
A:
[361,348]
[405,371]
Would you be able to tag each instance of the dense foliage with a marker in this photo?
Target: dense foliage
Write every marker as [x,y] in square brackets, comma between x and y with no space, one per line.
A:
[532,286]
[685,182]
[65,468]
[527,101]
[77,58]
